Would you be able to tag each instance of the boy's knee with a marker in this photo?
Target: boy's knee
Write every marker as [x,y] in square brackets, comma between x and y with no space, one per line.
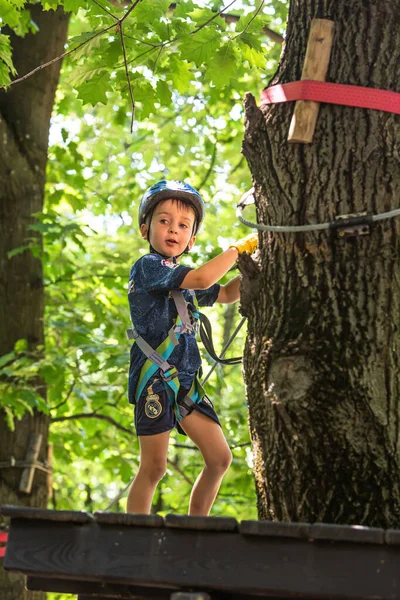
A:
[155,470]
[221,462]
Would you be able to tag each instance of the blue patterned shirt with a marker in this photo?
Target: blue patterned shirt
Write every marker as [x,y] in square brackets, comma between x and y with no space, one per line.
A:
[153,312]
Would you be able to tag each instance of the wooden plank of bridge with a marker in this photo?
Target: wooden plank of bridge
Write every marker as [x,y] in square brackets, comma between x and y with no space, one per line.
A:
[261,559]
[96,589]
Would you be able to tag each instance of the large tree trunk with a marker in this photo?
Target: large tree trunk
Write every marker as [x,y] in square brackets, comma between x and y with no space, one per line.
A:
[25,112]
[322,356]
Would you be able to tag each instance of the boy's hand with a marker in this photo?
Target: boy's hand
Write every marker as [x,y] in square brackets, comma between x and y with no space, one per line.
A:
[247,244]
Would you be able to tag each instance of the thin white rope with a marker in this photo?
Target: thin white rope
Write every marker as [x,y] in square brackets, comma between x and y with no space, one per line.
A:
[311,227]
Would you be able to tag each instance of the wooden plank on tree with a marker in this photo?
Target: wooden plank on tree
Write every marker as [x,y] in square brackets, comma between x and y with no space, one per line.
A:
[31,456]
[316,62]
[201,523]
[227,564]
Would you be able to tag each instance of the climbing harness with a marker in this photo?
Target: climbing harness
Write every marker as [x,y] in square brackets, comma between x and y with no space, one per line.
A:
[118,497]
[158,359]
[344,225]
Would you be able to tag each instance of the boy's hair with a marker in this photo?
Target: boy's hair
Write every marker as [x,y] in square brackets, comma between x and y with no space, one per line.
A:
[181,204]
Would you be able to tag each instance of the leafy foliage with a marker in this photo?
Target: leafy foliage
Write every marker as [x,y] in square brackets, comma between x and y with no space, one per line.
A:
[189,70]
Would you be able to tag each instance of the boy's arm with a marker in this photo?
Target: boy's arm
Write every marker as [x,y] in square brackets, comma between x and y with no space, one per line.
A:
[212,271]
[230,292]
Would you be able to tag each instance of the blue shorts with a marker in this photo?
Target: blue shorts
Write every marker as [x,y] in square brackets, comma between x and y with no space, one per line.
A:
[155,414]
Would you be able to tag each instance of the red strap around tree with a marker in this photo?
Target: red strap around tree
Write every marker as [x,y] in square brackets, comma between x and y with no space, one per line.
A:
[3,539]
[333,93]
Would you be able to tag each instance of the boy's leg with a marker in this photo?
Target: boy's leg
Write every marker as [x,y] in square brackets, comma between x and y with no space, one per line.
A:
[208,437]
[153,463]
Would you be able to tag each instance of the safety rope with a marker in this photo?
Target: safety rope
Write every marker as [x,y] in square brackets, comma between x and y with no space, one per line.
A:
[206,338]
[330,93]
[364,219]
[333,93]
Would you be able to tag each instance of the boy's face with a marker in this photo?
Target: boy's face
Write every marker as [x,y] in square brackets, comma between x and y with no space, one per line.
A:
[171,228]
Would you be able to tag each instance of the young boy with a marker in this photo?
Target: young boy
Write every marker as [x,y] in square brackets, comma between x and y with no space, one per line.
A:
[163,384]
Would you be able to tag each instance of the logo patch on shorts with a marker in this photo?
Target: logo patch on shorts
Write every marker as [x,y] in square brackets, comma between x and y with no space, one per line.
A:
[153,406]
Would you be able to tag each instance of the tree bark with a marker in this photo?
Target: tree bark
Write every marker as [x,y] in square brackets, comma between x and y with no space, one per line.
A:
[25,112]
[322,354]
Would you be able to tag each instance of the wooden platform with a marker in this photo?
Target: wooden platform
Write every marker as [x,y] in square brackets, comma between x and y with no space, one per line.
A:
[110,555]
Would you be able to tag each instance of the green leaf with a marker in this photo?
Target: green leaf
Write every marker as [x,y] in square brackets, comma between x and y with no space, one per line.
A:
[150,10]
[180,74]
[253,53]
[9,13]
[183,9]
[252,25]
[94,91]
[4,75]
[144,93]
[6,358]
[89,46]
[201,16]
[19,250]
[73,5]
[51,4]
[200,46]
[17,3]
[83,74]
[164,95]
[6,64]
[21,345]
[9,418]
[223,66]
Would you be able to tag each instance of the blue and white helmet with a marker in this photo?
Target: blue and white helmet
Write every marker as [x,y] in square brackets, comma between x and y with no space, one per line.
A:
[175,190]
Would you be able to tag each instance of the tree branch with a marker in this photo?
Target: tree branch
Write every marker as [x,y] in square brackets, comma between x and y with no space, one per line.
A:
[93,416]
[71,389]
[212,18]
[106,10]
[121,33]
[212,163]
[54,60]
[178,470]
[251,20]
[58,58]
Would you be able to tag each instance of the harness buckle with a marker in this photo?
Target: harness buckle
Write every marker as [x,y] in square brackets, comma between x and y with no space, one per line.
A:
[173,372]
[186,406]
[183,329]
